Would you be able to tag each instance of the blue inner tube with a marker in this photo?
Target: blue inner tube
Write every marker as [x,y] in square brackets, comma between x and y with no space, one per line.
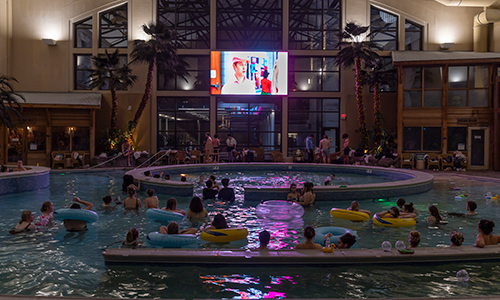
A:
[163,216]
[76,214]
[336,231]
[171,240]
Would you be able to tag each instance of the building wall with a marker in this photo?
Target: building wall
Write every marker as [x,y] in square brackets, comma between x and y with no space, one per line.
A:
[43,68]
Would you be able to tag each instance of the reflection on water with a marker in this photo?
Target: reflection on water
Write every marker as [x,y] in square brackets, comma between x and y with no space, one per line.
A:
[54,262]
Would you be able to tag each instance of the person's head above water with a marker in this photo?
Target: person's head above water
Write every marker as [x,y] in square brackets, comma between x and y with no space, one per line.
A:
[107,199]
[264,238]
[225,182]
[309,232]
[400,202]
[486,226]
[346,241]
[219,222]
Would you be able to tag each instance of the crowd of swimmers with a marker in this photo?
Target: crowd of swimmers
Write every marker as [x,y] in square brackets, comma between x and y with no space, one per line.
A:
[197,214]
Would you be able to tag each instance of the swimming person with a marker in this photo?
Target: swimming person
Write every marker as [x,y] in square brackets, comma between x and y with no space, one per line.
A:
[151,201]
[409,208]
[328,182]
[131,202]
[400,203]
[264,238]
[294,195]
[132,239]
[196,210]
[107,204]
[414,238]
[485,228]
[219,222]
[355,207]
[456,239]
[173,228]
[346,241]
[309,233]
[24,224]
[209,192]
[77,225]
[226,193]
[172,206]
[394,212]
[470,207]
[308,197]
[46,217]
[435,217]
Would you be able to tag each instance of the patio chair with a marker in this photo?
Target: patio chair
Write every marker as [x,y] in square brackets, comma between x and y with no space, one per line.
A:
[57,158]
[408,160]
[195,156]
[298,155]
[433,160]
[277,156]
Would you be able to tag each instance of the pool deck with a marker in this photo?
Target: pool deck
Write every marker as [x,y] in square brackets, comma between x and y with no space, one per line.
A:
[26,297]
[299,257]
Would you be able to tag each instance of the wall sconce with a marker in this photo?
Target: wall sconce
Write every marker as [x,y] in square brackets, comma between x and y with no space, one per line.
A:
[446,46]
[71,129]
[49,42]
[27,127]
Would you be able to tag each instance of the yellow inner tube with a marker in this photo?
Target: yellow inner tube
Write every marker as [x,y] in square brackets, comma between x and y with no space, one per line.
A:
[225,235]
[393,222]
[351,215]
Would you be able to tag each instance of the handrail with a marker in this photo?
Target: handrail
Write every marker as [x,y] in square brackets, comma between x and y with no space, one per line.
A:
[153,156]
[113,158]
[166,153]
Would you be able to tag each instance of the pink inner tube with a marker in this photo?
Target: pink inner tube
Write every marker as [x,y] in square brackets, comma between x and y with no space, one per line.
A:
[279,210]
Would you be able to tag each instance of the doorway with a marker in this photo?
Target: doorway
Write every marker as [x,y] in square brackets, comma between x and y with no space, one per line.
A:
[477,148]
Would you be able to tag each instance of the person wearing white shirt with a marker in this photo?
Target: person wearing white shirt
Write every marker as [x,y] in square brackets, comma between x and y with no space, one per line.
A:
[231,145]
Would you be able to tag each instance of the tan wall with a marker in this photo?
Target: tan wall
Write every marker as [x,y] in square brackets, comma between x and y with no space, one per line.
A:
[4,31]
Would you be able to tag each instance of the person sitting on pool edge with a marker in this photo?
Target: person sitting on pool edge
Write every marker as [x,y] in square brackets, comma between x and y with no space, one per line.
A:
[355,207]
[209,192]
[173,228]
[132,238]
[414,238]
[346,241]
[484,237]
[456,239]
[309,233]
[172,207]
[394,212]
[24,224]
[226,193]
[77,225]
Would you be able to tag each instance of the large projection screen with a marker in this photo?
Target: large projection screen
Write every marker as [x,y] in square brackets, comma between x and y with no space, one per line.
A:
[248,73]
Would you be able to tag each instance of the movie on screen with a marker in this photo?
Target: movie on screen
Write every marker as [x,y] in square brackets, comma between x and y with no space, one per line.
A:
[248,73]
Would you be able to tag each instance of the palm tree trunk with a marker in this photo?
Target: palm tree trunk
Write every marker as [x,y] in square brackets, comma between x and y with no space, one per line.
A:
[114,111]
[359,102]
[376,112]
[147,92]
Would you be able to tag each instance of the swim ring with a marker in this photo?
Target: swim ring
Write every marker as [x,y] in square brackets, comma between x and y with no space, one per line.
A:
[337,232]
[393,222]
[351,215]
[171,240]
[279,210]
[76,214]
[163,216]
[225,235]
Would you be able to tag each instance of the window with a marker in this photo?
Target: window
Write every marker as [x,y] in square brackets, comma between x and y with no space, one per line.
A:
[190,21]
[83,33]
[314,74]
[113,28]
[387,25]
[36,138]
[253,123]
[314,25]
[423,87]
[83,67]
[422,138]
[249,24]
[413,36]
[197,80]
[182,121]
[468,86]
[389,78]
[457,138]
[312,116]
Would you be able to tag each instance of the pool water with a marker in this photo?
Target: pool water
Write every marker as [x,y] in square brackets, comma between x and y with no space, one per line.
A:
[54,262]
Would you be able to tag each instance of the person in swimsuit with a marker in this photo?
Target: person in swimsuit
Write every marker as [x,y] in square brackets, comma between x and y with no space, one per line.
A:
[77,225]
[309,234]
[456,239]
[435,217]
[355,207]
[46,217]
[151,201]
[19,167]
[132,239]
[131,202]
[308,197]
[172,206]
[294,195]
[264,238]
[485,236]
[394,212]
[107,203]
[346,241]
[173,228]
[127,150]
[414,238]
[324,146]
[24,224]
[219,222]
[196,210]
[346,148]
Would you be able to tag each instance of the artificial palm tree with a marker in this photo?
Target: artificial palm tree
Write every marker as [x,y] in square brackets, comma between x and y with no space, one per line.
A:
[109,72]
[356,49]
[159,51]
[9,101]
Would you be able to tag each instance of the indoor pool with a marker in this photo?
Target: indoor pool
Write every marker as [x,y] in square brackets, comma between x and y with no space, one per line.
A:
[58,263]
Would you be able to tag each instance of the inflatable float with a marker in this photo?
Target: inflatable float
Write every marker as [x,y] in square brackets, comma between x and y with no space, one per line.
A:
[351,215]
[225,235]
[76,214]
[279,210]
[393,222]
[171,240]
[163,216]
[337,232]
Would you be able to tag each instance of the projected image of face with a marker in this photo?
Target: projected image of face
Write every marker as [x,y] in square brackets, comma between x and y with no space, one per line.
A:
[239,84]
